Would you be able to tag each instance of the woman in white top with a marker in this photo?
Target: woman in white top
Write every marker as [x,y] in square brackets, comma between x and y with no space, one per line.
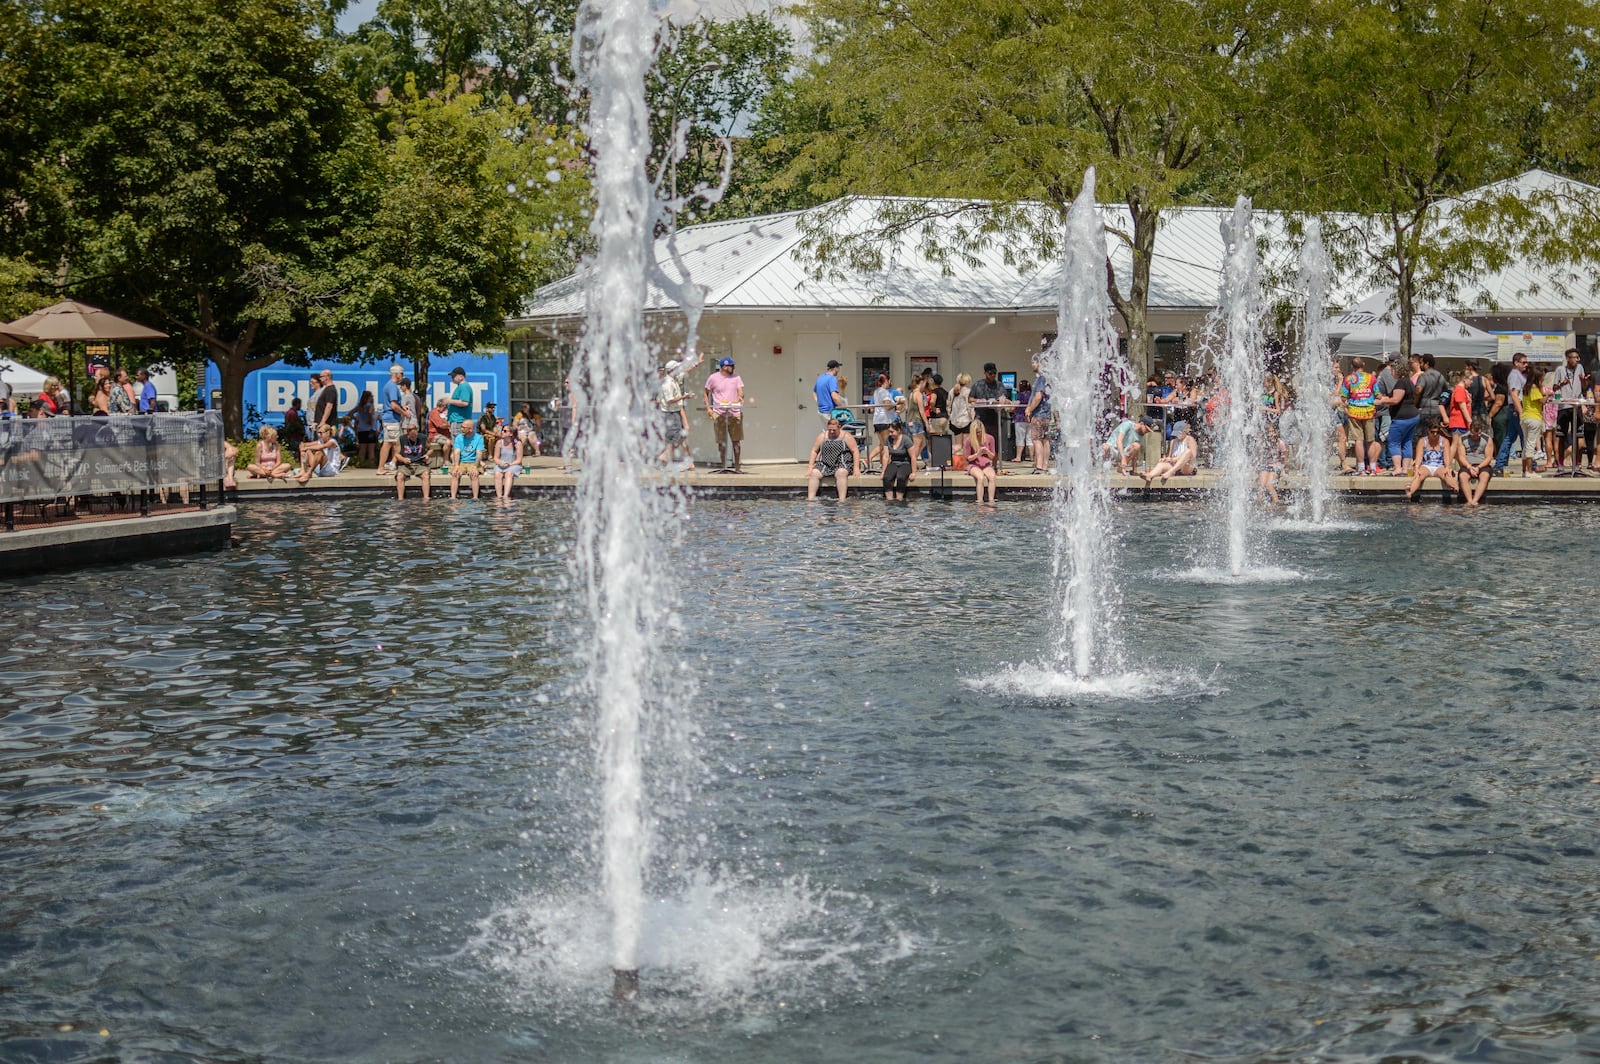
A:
[1180,456]
[882,418]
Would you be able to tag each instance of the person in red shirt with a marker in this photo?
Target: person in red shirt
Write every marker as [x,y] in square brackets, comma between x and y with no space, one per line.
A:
[1460,403]
[439,433]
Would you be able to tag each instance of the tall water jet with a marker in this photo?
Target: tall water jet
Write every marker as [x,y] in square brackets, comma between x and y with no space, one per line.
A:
[1238,319]
[1314,378]
[1080,367]
[618,560]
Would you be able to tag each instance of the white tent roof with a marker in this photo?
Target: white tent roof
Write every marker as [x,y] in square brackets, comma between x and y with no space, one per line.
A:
[1372,327]
[24,380]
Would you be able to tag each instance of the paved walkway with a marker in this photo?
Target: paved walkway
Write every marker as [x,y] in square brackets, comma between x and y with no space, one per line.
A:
[789,478]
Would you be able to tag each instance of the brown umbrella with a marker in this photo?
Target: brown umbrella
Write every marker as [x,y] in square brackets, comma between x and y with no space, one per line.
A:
[16,338]
[71,320]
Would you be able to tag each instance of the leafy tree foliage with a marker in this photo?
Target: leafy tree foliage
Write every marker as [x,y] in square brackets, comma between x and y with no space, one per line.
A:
[1405,116]
[991,106]
[471,206]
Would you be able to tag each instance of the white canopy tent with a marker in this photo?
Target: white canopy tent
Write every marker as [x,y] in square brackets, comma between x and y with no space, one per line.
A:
[26,382]
[1372,327]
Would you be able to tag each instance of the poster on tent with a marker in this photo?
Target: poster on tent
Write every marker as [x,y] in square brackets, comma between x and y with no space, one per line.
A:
[270,391]
[1538,346]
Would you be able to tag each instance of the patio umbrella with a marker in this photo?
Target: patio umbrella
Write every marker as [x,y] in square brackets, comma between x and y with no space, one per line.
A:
[16,338]
[71,320]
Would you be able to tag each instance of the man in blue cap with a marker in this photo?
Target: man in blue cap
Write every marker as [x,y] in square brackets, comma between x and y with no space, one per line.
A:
[459,402]
[725,407]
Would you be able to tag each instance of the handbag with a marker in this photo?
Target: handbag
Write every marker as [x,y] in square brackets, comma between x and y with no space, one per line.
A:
[958,462]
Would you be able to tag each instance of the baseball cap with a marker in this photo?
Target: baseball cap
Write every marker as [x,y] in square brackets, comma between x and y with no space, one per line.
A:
[1179,428]
[458,372]
[672,364]
[833,363]
[1149,422]
[990,367]
[725,362]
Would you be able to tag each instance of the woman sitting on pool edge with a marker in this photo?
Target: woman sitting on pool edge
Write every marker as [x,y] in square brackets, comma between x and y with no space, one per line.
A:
[1181,454]
[1434,451]
[901,468]
[977,447]
[834,454]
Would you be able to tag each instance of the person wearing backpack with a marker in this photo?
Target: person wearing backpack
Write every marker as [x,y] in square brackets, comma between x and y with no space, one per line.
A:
[961,405]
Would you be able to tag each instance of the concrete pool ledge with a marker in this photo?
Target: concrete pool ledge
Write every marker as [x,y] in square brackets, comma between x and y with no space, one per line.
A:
[789,480]
[74,544]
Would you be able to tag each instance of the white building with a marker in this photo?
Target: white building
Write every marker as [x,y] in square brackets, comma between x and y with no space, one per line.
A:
[767,308]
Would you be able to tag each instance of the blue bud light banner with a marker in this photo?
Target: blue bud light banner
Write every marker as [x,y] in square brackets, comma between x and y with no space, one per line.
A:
[271,390]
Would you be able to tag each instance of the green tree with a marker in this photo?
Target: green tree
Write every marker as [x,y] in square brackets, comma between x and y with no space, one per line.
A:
[472,206]
[197,148]
[1407,119]
[708,84]
[993,107]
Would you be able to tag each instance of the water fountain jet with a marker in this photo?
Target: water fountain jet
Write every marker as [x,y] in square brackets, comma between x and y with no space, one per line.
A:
[1314,381]
[1081,367]
[1238,319]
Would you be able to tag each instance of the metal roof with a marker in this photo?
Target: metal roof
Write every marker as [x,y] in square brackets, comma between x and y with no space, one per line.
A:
[764,264]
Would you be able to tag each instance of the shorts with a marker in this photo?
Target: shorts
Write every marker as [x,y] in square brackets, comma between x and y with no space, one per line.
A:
[1361,430]
[366,437]
[415,469]
[672,427]
[727,427]
[391,432]
[1039,429]
[328,469]
[1564,420]
[465,469]
[1021,429]
[1532,429]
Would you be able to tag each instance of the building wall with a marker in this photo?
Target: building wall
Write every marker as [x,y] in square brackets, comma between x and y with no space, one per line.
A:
[780,357]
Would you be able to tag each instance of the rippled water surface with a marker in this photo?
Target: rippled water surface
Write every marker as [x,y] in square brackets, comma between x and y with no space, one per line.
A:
[325,797]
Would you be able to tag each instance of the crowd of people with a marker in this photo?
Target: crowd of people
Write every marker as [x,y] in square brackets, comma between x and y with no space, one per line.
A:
[394,434]
[929,426]
[107,392]
[1404,419]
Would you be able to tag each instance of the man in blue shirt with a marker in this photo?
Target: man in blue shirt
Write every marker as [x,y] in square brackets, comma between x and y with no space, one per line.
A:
[466,454]
[827,389]
[459,402]
[147,392]
[391,410]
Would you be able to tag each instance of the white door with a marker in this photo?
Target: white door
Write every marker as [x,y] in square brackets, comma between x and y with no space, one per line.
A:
[812,353]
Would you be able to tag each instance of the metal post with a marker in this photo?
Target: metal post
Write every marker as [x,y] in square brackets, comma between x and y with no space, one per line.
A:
[202,495]
[144,502]
[11,519]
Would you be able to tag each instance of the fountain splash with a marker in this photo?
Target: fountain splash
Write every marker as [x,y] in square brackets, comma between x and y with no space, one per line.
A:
[621,516]
[1314,378]
[1080,366]
[1237,320]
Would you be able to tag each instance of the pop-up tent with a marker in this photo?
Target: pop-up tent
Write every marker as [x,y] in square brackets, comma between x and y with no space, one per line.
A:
[1372,327]
[26,382]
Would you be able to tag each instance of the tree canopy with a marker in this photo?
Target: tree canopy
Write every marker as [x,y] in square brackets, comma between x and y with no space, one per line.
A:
[1403,118]
[992,106]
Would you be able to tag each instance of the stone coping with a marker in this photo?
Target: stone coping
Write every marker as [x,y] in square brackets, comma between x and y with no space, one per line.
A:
[789,478]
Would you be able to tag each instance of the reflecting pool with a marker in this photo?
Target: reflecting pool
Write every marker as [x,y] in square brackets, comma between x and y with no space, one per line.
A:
[324,797]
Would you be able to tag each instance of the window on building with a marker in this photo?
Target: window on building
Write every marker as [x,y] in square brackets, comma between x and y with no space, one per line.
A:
[538,368]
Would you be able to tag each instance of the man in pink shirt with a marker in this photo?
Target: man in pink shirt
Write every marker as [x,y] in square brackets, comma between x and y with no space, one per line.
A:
[725,407]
